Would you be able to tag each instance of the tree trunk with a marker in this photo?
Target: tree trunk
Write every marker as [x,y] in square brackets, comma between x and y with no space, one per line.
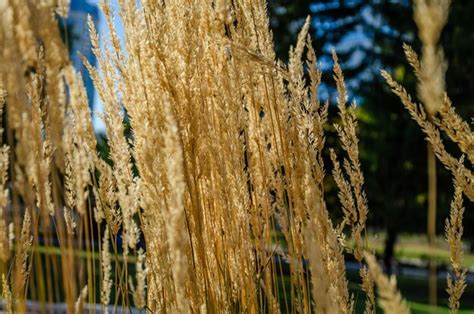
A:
[389,252]
[431,225]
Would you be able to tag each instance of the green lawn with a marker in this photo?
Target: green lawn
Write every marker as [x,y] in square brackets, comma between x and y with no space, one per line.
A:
[416,247]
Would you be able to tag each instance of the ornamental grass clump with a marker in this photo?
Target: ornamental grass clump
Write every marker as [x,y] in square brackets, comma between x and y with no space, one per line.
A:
[224,151]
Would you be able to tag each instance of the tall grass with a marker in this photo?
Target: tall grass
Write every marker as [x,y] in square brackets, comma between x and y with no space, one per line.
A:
[225,148]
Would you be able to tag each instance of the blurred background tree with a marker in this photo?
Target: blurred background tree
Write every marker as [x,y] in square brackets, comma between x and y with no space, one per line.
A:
[368,36]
